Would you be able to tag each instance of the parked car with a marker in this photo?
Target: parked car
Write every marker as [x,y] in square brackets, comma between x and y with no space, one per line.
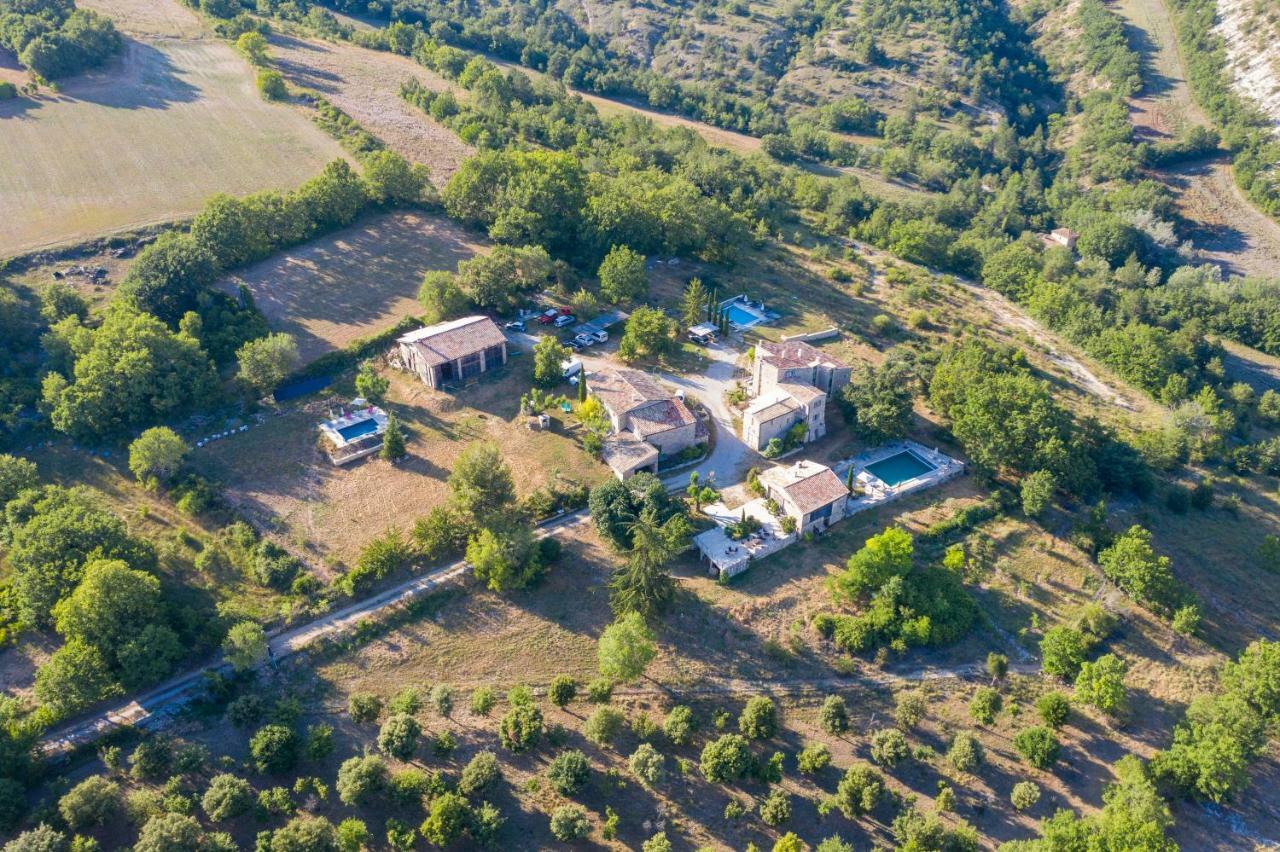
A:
[565,311]
[583,339]
[600,335]
[563,320]
[575,345]
[515,325]
[548,316]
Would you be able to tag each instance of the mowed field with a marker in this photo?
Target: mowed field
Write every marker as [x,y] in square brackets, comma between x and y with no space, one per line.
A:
[146,140]
[365,84]
[361,280]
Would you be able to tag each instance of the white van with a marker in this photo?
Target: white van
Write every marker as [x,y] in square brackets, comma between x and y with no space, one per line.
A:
[570,368]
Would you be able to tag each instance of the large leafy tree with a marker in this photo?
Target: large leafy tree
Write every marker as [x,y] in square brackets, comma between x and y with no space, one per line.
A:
[626,648]
[1133,565]
[266,361]
[481,481]
[883,556]
[616,506]
[169,275]
[643,585]
[649,333]
[878,400]
[497,280]
[622,275]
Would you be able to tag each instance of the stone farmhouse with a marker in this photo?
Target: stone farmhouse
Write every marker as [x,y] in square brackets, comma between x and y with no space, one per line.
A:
[791,382]
[453,352]
[649,422]
[809,492]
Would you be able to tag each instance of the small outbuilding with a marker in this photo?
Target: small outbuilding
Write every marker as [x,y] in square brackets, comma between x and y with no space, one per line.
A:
[455,351]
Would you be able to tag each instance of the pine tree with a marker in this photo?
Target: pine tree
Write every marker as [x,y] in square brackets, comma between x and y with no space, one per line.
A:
[643,584]
[393,447]
[693,302]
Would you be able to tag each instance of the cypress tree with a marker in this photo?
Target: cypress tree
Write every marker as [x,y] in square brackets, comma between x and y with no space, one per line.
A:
[393,447]
[582,386]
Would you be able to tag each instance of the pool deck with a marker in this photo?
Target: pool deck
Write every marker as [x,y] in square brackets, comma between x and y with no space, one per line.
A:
[761,315]
[346,449]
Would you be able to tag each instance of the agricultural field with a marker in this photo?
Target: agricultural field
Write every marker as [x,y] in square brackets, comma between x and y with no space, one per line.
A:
[365,84]
[356,282]
[147,139]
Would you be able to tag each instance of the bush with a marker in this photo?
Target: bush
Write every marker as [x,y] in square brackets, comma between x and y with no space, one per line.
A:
[90,803]
[726,759]
[647,764]
[1024,795]
[600,690]
[859,791]
[274,749]
[759,719]
[483,700]
[814,758]
[569,823]
[965,754]
[909,709]
[568,772]
[603,725]
[442,699]
[479,773]
[1062,651]
[364,707]
[521,728]
[679,725]
[227,797]
[776,808]
[1038,746]
[271,85]
[447,820]
[563,689]
[984,705]
[834,715]
[360,779]
[1053,708]
[889,747]
[399,735]
[407,701]
[657,843]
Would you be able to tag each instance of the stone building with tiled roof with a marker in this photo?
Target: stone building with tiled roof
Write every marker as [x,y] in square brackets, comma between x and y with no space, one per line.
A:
[791,382]
[453,352]
[649,422]
[807,491]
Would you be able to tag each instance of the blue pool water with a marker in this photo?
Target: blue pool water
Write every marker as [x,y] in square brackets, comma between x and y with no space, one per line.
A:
[358,430]
[741,316]
[898,468]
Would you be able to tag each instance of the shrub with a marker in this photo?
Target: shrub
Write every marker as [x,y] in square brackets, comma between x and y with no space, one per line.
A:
[407,701]
[647,764]
[759,719]
[726,759]
[600,690]
[360,779]
[563,689]
[965,754]
[909,709]
[1053,708]
[814,758]
[521,728]
[442,699]
[776,808]
[568,772]
[479,773]
[271,85]
[1038,746]
[364,707]
[679,725]
[483,700]
[447,820]
[399,735]
[834,715]
[90,803]
[603,725]
[1024,795]
[227,797]
[984,705]
[657,843]
[353,835]
[889,747]
[411,787]
[274,749]
[859,791]
[997,665]
[569,823]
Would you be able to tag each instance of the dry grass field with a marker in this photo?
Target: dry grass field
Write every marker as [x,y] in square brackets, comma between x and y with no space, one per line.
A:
[361,280]
[144,140]
[365,84]
[276,474]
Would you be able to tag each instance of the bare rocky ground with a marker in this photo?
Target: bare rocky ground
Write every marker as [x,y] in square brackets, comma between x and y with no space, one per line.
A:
[1250,29]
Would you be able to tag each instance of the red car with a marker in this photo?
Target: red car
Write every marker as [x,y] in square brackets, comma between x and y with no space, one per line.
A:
[548,316]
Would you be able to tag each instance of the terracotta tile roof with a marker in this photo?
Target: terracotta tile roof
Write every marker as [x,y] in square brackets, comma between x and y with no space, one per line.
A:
[809,485]
[795,353]
[661,417]
[624,453]
[449,341]
[623,391]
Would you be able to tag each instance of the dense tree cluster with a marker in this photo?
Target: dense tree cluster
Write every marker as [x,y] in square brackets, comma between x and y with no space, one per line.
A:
[55,39]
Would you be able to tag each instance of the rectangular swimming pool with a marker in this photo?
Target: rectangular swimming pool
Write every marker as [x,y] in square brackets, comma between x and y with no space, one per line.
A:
[358,430]
[741,317]
[899,468]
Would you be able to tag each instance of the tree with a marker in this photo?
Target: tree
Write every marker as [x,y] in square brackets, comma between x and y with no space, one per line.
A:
[481,481]
[984,705]
[776,808]
[726,759]
[1053,709]
[603,725]
[172,832]
[157,454]
[393,444]
[1255,676]
[1037,492]
[997,665]
[1108,238]
[622,276]
[909,709]
[42,838]
[169,275]
[548,355]
[759,719]
[305,834]
[16,475]
[877,401]
[568,772]
[813,758]
[1132,564]
[1101,684]
[446,820]
[1038,746]
[859,791]
[75,677]
[392,181]
[1134,817]
[274,749]
[227,797]
[1062,651]
[521,728]
[271,85]
[889,747]
[353,835]
[254,47]
[442,297]
[245,646]
[679,725]
[834,715]
[1024,795]
[616,506]
[505,555]
[647,764]
[370,384]
[965,753]
[569,823]
[360,779]
[883,556]
[1212,747]
[791,842]
[265,362]
[90,803]
[693,306]
[398,736]
[500,279]
[649,334]
[657,843]
[643,585]
[562,690]
[479,773]
[626,648]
